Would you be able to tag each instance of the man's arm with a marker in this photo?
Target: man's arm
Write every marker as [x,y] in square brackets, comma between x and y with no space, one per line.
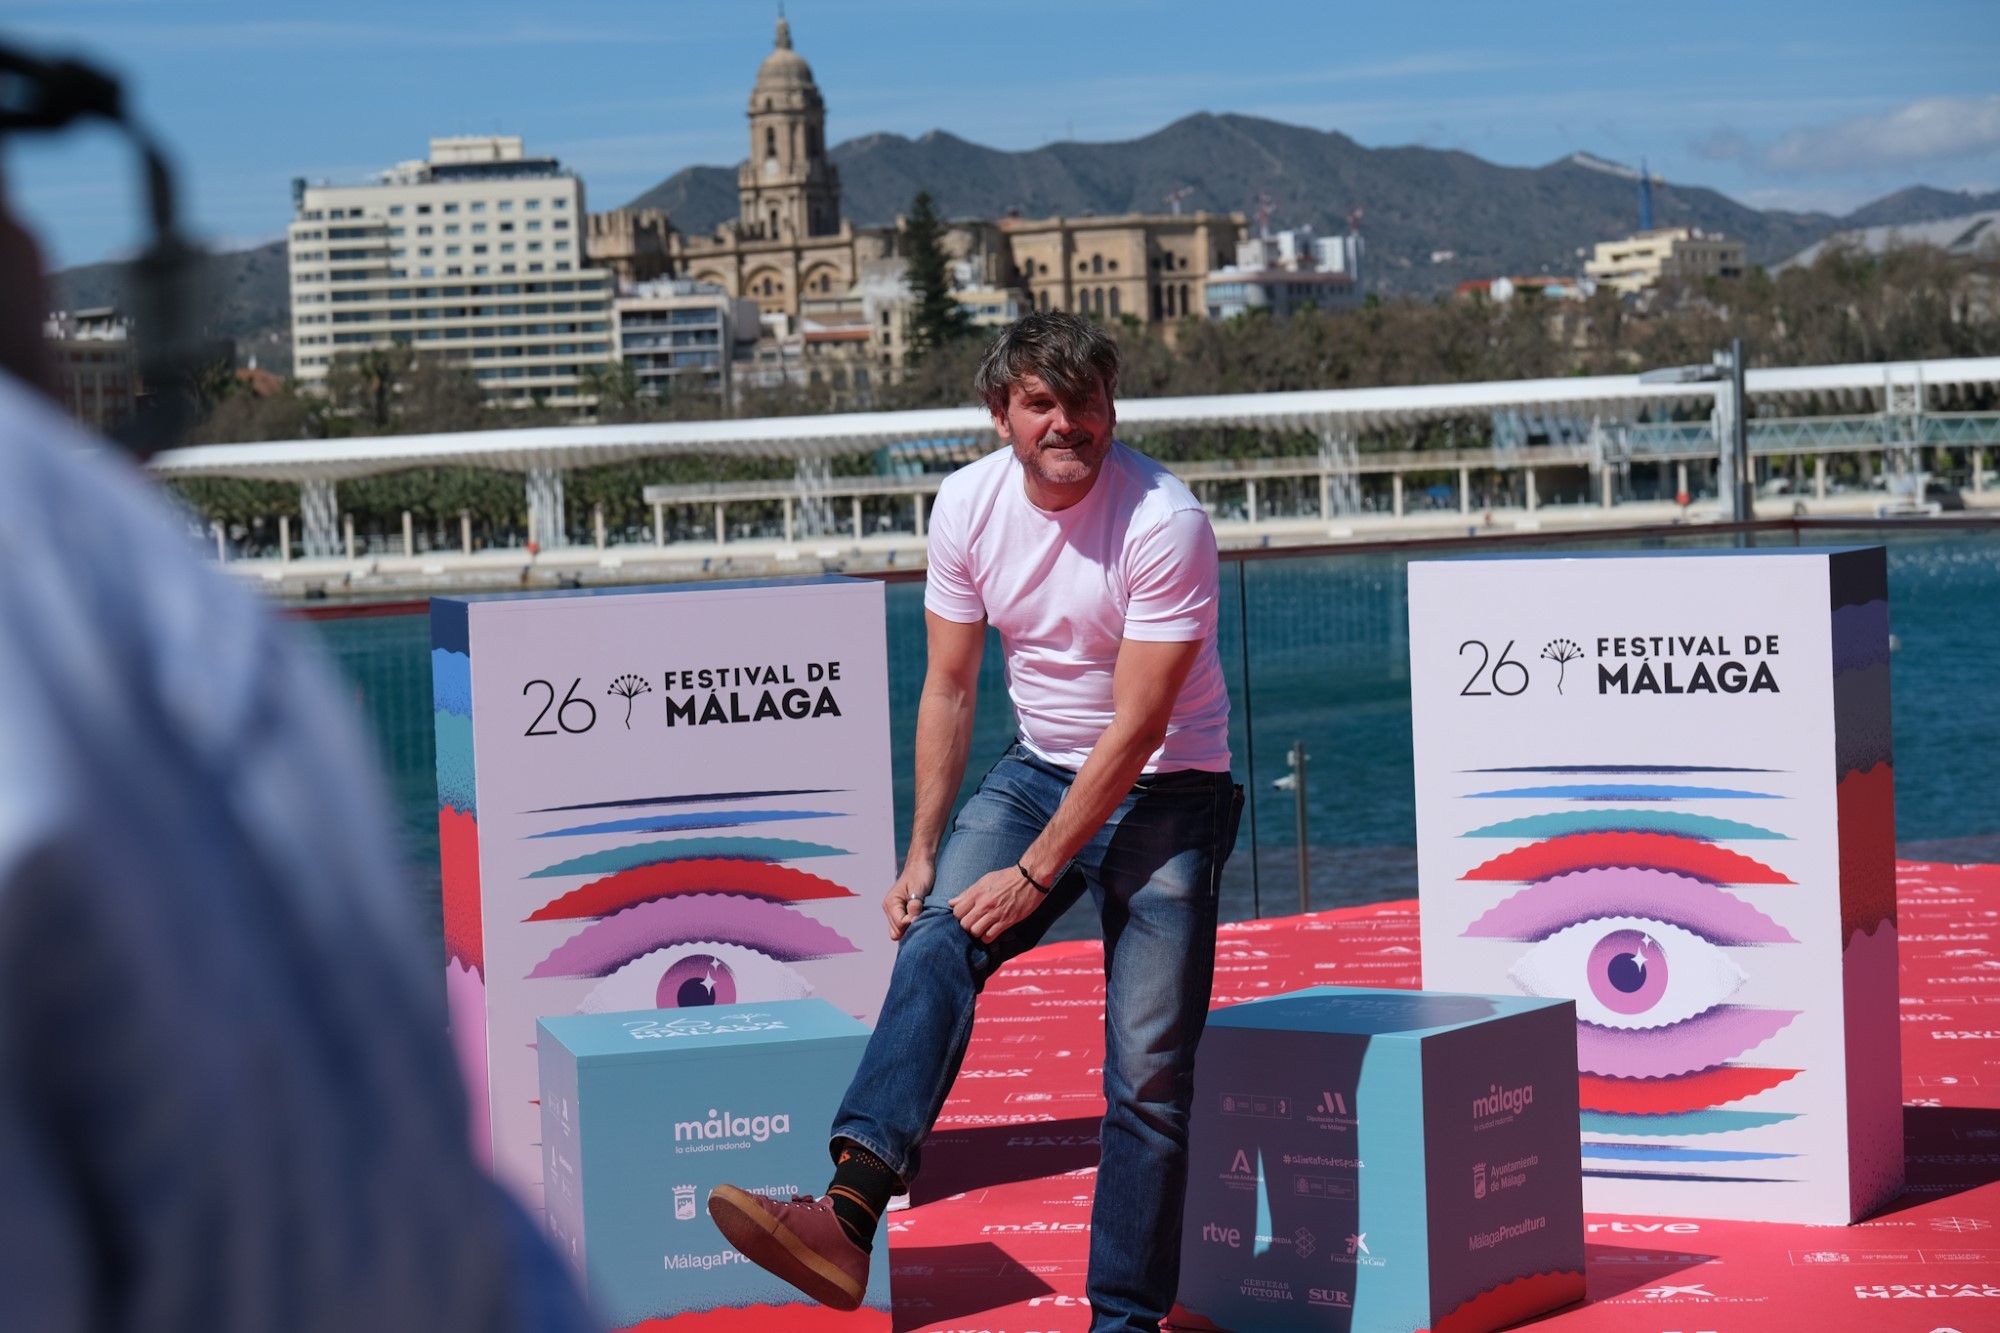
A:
[1145,683]
[944,736]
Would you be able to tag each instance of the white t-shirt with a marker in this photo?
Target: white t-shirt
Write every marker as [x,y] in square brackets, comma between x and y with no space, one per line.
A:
[1134,559]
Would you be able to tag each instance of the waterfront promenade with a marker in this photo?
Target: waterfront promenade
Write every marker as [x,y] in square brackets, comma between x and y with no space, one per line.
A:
[394,572]
[1304,467]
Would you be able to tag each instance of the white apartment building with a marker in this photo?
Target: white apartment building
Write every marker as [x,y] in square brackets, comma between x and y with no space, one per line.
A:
[1642,260]
[475,254]
[97,373]
[989,307]
[680,336]
[1287,272]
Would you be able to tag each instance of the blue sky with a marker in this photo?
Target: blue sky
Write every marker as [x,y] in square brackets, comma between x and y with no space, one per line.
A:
[1795,103]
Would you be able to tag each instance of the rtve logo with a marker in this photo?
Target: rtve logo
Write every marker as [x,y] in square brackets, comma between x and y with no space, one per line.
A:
[1221,1235]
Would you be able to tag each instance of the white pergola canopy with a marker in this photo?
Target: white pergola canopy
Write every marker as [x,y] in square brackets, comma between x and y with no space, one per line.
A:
[1328,411]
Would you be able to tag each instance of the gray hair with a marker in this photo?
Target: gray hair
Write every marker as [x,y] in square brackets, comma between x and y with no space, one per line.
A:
[1070,355]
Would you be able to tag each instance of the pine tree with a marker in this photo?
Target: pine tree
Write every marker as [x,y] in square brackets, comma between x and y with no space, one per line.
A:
[938,318]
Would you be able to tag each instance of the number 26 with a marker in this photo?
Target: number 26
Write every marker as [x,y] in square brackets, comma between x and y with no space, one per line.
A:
[1493,676]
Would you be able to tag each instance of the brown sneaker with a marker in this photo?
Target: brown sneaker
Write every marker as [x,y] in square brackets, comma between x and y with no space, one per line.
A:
[801,1242]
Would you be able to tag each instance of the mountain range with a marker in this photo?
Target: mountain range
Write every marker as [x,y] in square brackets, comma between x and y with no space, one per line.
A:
[1431,217]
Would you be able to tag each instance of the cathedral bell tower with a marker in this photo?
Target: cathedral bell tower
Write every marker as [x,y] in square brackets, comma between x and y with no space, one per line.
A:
[787,189]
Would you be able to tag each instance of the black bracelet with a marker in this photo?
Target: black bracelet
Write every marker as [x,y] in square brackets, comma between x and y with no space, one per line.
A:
[1033,883]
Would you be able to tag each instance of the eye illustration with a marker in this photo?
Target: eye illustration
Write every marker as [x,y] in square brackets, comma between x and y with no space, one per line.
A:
[771,928]
[691,976]
[613,859]
[685,822]
[1679,900]
[1708,1040]
[1635,973]
[690,921]
[1658,851]
[1628,911]
[1624,791]
[1557,823]
[665,879]
[1687,1092]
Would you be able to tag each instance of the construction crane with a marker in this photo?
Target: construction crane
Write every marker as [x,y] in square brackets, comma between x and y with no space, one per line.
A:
[1266,206]
[1174,196]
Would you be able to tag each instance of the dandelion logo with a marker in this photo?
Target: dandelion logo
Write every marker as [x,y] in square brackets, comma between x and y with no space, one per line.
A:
[1562,652]
[629,687]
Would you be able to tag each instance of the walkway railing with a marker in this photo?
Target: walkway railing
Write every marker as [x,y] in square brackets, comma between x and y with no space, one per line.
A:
[1814,435]
[1566,411]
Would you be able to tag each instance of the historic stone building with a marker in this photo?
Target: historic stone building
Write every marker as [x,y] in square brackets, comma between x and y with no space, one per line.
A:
[814,274]
[1152,268]
[789,242]
[632,242]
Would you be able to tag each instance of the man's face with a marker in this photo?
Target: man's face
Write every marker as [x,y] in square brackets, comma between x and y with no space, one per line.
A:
[1061,448]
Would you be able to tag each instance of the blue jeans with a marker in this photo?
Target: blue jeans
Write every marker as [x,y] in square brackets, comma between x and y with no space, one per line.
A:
[1153,871]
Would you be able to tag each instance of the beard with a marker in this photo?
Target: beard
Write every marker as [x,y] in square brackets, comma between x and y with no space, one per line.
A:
[1064,459]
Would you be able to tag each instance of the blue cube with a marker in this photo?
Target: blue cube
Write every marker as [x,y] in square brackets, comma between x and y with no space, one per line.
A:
[644,1113]
[1383,1160]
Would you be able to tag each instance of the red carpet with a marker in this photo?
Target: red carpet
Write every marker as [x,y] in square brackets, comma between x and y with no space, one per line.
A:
[998,1237]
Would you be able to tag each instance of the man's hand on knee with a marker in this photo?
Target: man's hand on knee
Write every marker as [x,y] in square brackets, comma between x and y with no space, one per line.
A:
[995,904]
[906,897]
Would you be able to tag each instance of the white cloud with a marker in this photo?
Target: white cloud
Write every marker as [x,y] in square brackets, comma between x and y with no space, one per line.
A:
[1932,129]
[1836,200]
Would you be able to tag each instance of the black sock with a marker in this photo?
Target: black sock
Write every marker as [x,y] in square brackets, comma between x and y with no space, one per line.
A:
[862,1186]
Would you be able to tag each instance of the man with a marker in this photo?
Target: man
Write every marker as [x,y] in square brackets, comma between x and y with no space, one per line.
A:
[1098,568]
[227,1104]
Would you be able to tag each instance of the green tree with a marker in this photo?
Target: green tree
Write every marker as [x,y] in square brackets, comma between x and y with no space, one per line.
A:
[621,398]
[938,319]
[361,387]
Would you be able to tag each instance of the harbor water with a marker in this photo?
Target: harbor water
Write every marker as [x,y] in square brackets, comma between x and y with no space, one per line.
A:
[1315,648]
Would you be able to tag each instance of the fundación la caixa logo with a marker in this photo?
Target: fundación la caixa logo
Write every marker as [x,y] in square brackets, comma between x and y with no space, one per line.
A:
[1628,664]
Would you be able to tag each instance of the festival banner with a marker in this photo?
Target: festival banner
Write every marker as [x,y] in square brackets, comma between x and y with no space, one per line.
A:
[1659,784]
[655,798]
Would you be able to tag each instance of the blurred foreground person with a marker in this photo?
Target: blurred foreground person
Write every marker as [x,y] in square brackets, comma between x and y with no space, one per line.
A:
[227,1103]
